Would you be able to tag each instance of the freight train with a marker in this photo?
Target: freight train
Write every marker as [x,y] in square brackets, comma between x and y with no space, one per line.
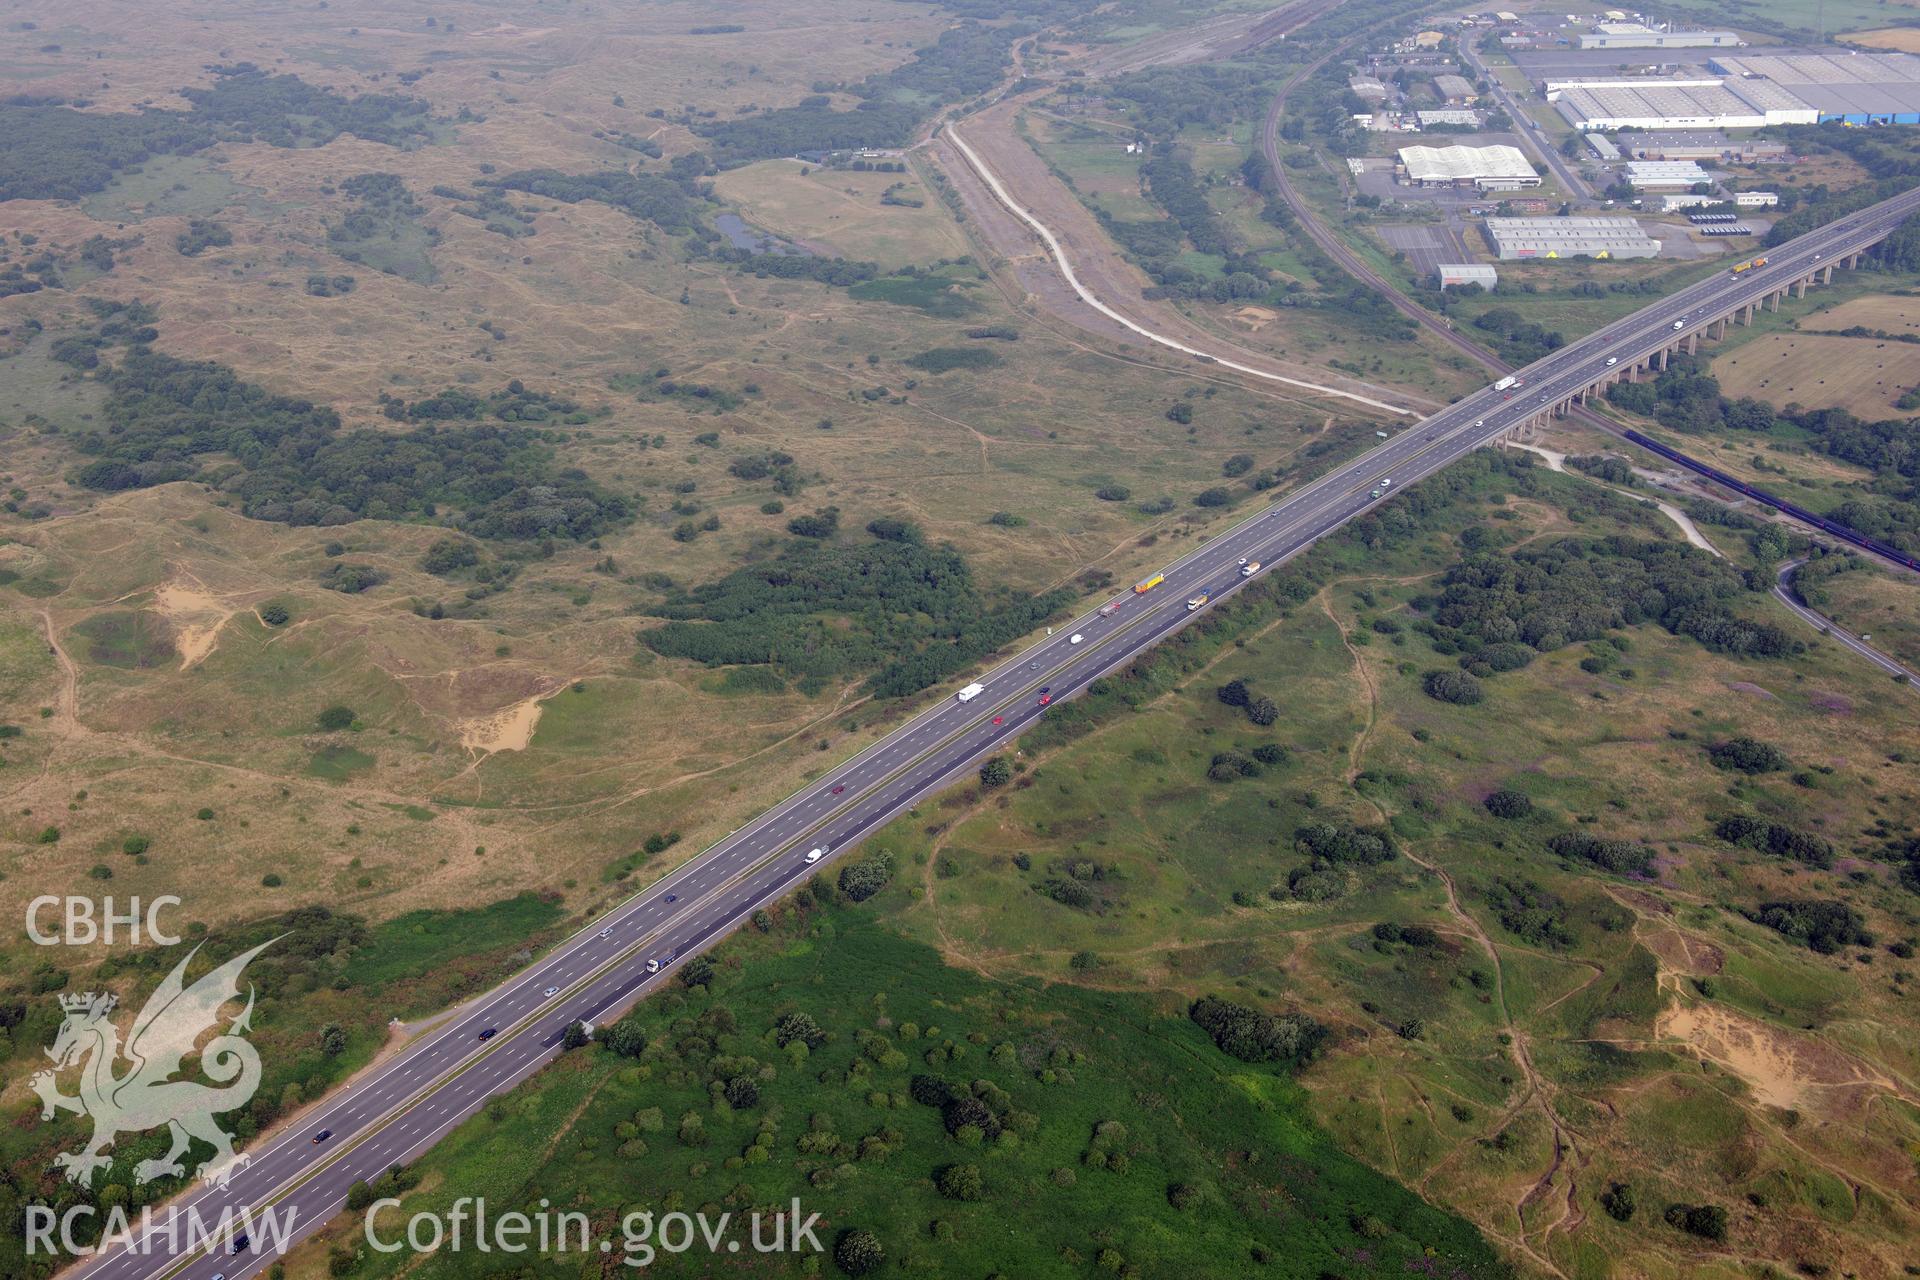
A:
[1851,536]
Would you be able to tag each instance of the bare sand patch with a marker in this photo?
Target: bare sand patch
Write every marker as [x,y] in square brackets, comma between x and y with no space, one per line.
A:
[1783,1069]
[509,729]
[196,616]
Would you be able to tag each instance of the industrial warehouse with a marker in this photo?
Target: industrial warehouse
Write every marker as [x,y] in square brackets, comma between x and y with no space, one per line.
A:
[1635,35]
[1523,238]
[1853,88]
[1698,103]
[1736,91]
[1495,168]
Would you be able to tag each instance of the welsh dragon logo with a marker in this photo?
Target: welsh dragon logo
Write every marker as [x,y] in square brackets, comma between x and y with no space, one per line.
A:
[146,1096]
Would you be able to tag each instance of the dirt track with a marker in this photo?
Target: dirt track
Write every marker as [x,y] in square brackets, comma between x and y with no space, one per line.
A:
[1102,269]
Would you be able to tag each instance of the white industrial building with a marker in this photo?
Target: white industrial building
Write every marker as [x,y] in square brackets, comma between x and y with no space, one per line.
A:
[1853,87]
[1648,174]
[1458,275]
[1520,239]
[1756,199]
[1672,202]
[1449,115]
[1697,103]
[1368,89]
[1635,35]
[1495,168]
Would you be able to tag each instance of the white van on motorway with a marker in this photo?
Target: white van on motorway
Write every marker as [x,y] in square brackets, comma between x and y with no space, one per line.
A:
[814,855]
[971,692]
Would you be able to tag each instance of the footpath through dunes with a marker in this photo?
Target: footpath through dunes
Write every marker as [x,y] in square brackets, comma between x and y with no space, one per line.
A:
[986,148]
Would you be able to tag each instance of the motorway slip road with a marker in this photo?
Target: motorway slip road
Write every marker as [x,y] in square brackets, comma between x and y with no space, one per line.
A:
[399,1108]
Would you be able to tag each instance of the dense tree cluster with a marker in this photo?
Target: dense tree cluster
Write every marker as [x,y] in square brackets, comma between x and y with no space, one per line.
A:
[861,880]
[1508,804]
[1742,754]
[288,460]
[1530,912]
[512,403]
[1686,398]
[202,234]
[58,153]
[1775,838]
[801,266]
[966,60]
[1580,589]
[1620,857]
[1520,340]
[1292,1039]
[1708,1221]
[672,203]
[1457,687]
[1820,924]
[908,612]
[1346,844]
[1162,101]
[51,151]
[251,105]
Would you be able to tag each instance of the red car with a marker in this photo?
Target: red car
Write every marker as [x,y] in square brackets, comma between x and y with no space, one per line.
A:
[1045,698]
[999,719]
[838,790]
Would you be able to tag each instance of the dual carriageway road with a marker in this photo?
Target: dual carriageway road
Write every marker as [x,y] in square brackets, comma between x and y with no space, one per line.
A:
[400,1107]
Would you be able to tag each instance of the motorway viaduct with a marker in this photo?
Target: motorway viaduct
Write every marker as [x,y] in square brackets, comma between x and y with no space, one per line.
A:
[1710,323]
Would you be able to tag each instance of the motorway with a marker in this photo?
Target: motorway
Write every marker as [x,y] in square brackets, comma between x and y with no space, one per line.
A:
[401,1106]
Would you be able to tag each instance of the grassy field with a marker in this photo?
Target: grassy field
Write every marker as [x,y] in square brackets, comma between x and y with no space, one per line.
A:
[1131,1142]
[583,307]
[1665,1012]
[1883,606]
[840,212]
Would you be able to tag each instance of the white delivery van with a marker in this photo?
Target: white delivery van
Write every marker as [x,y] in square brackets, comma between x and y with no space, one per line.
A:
[971,692]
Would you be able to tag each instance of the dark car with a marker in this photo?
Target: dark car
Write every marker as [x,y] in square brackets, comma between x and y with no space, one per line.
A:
[322,1136]
[489,1033]
[240,1243]
[837,790]
[673,897]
